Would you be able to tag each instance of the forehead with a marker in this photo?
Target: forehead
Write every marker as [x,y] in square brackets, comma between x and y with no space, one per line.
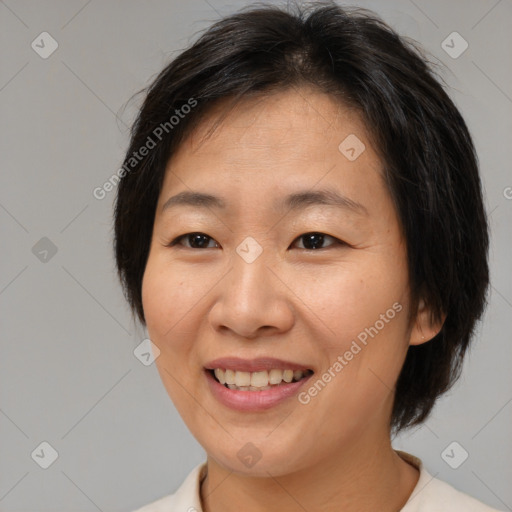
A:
[269,144]
[289,118]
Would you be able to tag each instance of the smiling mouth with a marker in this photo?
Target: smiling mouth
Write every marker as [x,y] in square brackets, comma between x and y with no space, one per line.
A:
[257,381]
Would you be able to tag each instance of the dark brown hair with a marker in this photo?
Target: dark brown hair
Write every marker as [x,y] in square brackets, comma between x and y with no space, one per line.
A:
[430,165]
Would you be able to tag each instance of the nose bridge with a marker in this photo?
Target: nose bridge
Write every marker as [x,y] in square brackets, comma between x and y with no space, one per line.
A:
[250,283]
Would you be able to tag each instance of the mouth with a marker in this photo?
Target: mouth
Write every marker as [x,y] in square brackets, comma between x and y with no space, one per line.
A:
[258,380]
[255,385]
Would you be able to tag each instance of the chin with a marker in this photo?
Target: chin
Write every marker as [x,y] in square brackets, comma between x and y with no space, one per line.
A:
[257,459]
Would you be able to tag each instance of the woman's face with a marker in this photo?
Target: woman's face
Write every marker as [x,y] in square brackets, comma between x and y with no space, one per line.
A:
[250,296]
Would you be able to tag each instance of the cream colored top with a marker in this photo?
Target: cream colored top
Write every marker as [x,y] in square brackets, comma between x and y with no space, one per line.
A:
[429,495]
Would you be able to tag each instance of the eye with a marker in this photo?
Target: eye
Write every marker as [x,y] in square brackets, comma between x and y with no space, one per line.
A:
[314,241]
[311,241]
[195,241]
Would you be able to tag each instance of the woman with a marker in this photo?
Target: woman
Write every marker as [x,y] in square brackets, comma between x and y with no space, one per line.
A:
[300,227]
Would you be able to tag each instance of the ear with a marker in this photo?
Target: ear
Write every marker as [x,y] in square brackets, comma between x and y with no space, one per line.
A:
[424,328]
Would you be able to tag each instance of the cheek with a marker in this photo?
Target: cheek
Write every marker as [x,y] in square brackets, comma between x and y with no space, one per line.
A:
[361,314]
[365,309]
[169,298]
[348,299]
[169,294]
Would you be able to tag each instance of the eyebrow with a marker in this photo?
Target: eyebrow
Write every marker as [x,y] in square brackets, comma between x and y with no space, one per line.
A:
[296,201]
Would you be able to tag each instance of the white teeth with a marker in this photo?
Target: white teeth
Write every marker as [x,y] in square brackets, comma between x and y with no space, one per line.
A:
[242,379]
[288,375]
[275,376]
[220,375]
[257,381]
[229,375]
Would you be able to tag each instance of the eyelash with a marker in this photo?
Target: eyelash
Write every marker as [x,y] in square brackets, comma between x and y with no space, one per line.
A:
[177,240]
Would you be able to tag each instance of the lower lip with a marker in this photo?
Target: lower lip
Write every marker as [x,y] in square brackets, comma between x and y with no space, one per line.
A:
[253,400]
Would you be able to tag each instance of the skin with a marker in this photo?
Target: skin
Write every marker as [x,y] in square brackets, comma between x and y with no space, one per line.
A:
[305,306]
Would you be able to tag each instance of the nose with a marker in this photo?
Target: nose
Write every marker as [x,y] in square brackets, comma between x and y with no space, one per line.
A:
[252,301]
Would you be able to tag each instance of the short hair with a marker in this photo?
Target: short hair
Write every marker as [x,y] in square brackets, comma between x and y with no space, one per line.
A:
[430,166]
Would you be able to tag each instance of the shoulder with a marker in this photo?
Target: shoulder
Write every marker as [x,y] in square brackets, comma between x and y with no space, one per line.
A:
[185,499]
[434,495]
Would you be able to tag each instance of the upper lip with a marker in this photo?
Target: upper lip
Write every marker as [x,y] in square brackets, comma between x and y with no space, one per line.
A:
[254,365]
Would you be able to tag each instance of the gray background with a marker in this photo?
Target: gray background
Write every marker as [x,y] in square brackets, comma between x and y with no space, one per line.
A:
[68,373]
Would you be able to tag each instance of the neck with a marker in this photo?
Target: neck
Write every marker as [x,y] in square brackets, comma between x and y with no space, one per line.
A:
[364,477]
